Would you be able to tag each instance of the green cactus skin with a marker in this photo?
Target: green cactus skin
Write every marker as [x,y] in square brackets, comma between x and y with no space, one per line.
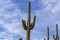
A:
[57,38]
[47,34]
[29,25]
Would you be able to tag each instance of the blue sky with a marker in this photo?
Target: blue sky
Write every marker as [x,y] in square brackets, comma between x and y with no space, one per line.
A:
[13,11]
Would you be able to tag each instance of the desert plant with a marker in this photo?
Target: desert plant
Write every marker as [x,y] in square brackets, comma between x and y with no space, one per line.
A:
[29,25]
[20,38]
[44,39]
[57,37]
[47,34]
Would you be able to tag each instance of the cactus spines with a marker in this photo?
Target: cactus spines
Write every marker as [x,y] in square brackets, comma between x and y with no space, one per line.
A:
[29,25]
[56,38]
[47,34]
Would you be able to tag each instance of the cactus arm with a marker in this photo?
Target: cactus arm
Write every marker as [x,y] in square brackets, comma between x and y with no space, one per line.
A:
[24,24]
[54,37]
[33,23]
[31,26]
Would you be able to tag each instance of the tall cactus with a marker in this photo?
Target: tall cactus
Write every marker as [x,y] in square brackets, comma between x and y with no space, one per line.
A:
[29,25]
[56,38]
[47,34]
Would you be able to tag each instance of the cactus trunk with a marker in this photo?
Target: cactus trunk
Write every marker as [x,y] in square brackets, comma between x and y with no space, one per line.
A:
[28,29]
[27,34]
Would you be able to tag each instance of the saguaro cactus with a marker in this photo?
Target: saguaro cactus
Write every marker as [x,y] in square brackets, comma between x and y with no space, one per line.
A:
[29,25]
[20,38]
[44,39]
[47,34]
[56,38]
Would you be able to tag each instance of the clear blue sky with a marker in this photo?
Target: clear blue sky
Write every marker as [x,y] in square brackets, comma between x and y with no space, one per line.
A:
[13,11]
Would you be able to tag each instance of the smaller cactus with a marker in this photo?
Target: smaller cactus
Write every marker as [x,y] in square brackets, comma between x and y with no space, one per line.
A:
[57,37]
[20,38]
[47,34]
[44,39]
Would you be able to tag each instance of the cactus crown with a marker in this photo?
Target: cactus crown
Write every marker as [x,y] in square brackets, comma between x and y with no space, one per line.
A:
[29,25]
